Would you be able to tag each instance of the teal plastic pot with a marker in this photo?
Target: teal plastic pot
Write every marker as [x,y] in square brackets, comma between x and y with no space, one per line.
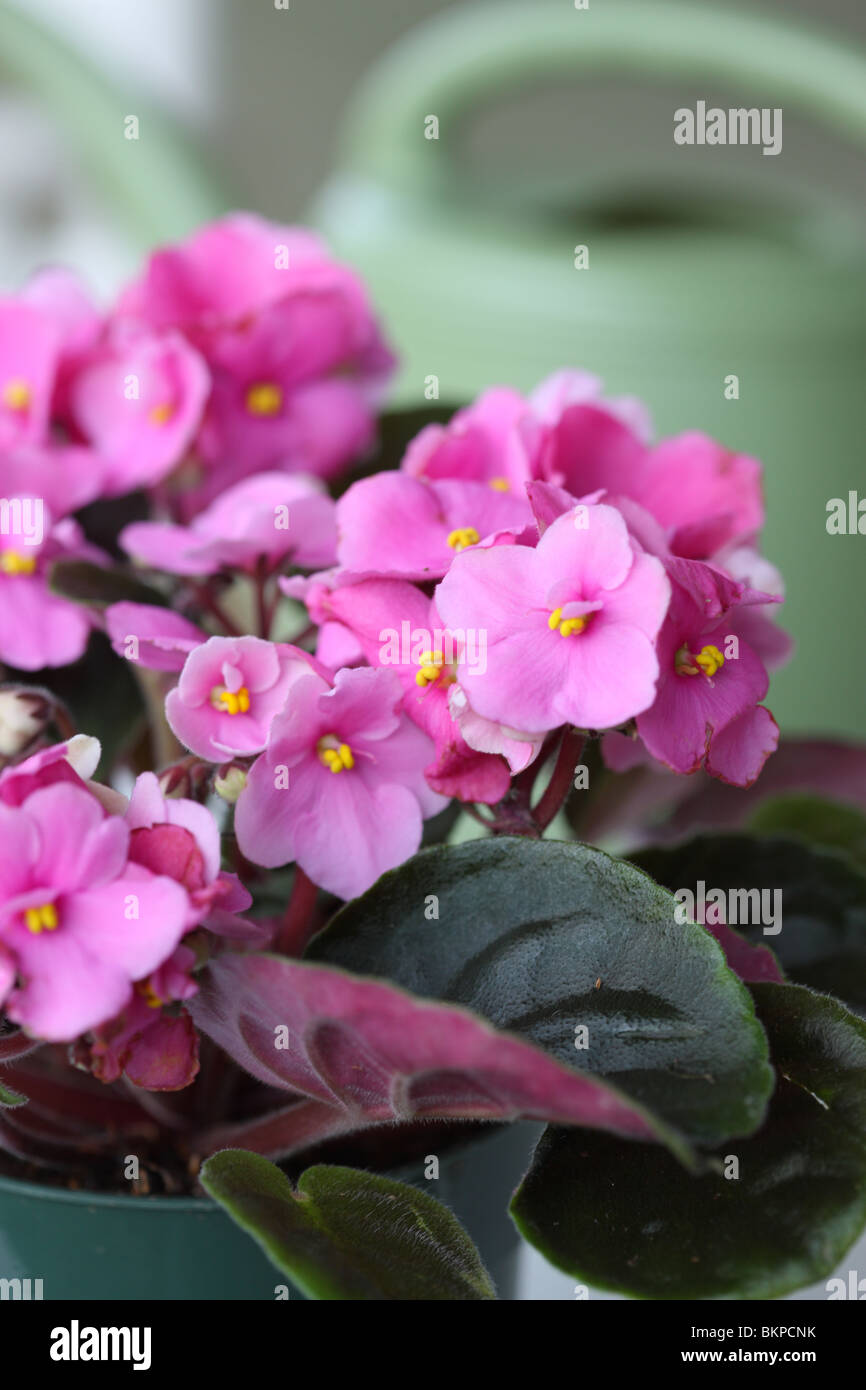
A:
[85,1245]
[477,284]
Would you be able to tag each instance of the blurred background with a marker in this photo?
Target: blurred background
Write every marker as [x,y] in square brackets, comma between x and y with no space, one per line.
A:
[702,263]
[264,93]
[726,288]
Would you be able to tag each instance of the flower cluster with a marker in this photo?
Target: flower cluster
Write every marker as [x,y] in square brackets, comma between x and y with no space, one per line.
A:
[244,351]
[99,893]
[535,567]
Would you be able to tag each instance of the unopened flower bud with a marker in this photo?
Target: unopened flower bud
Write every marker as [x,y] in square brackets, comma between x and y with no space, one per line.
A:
[230,782]
[175,781]
[23,716]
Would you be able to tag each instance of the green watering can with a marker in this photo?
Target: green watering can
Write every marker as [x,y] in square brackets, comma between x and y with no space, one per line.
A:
[158,187]
[477,289]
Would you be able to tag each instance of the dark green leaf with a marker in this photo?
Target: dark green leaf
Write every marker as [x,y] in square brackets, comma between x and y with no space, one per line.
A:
[822,941]
[829,824]
[346,1234]
[102,521]
[96,586]
[544,939]
[626,1216]
[439,827]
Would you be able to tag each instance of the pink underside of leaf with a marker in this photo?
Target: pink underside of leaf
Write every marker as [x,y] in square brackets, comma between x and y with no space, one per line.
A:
[368,1053]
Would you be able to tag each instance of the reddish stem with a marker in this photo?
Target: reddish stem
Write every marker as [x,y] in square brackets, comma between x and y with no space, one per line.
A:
[62,718]
[560,782]
[210,605]
[299,919]
[264,615]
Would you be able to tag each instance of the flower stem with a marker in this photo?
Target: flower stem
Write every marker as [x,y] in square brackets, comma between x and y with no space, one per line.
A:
[298,922]
[554,796]
[163,744]
[264,614]
[212,606]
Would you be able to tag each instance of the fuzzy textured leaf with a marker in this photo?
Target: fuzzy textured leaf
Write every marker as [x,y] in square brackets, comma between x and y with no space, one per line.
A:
[822,942]
[10,1099]
[355,1052]
[347,1234]
[627,1218]
[815,820]
[96,586]
[542,938]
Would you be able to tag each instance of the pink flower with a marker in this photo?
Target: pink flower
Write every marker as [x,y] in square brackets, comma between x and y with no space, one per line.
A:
[703,495]
[272,516]
[220,275]
[38,331]
[294,352]
[67,381]
[706,496]
[341,788]
[138,399]
[78,922]
[190,857]
[158,638]
[502,438]
[29,352]
[64,477]
[518,747]
[229,692]
[62,299]
[392,524]
[37,627]
[156,1050]
[707,711]
[571,386]
[74,762]
[180,839]
[570,626]
[336,644]
[492,441]
[399,627]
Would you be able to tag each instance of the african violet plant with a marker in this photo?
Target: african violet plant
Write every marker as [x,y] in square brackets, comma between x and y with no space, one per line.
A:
[425,667]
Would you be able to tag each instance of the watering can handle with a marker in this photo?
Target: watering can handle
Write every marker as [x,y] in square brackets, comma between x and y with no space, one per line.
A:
[447,67]
[159,187]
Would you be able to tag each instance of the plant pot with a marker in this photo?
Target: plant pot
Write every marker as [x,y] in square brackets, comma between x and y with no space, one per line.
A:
[91,1245]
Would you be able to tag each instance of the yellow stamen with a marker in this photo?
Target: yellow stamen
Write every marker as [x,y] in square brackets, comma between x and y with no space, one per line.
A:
[266,398]
[338,757]
[463,537]
[428,675]
[431,668]
[147,992]
[232,701]
[17,394]
[13,562]
[160,414]
[569,627]
[709,660]
[500,484]
[42,918]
